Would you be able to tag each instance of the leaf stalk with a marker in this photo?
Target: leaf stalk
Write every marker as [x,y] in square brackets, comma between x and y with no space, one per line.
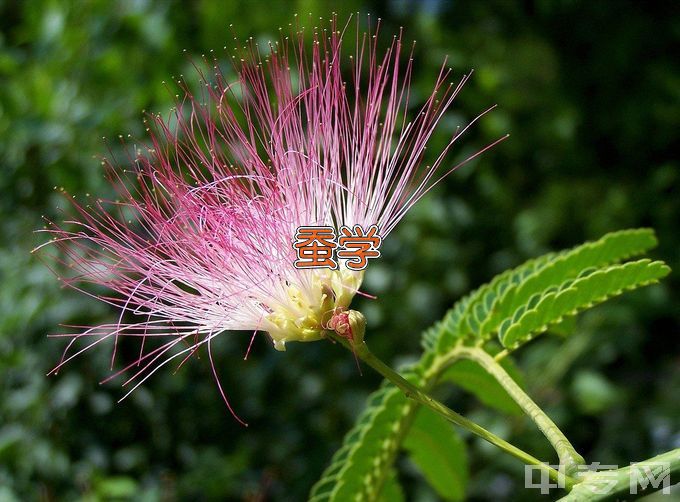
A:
[361,350]
[570,459]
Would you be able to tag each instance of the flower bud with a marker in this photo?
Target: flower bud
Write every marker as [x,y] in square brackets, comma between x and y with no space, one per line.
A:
[349,324]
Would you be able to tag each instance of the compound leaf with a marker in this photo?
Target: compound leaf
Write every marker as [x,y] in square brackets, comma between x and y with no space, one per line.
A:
[575,295]
[611,248]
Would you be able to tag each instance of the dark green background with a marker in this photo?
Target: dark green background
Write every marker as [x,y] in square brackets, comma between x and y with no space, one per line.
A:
[589,92]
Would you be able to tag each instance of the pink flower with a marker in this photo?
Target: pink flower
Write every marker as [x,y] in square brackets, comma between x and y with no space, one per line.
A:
[200,239]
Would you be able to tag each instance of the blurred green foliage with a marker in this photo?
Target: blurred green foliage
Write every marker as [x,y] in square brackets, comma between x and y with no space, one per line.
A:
[590,94]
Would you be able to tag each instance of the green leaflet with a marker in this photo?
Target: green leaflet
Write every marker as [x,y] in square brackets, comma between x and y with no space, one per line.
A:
[576,295]
[471,376]
[448,332]
[391,490]
[439,453]
[430,337]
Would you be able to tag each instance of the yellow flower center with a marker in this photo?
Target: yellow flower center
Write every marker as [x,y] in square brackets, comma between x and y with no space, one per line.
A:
[305,313]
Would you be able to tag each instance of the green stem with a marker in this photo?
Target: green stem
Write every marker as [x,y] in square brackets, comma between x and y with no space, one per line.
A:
[628,483]
[362,351]
[570,459]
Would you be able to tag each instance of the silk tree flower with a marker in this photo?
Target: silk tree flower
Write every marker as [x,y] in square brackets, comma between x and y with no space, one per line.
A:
[199,240]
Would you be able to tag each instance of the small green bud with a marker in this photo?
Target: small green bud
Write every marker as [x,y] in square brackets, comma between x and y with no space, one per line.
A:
[349,324]
[357,323]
